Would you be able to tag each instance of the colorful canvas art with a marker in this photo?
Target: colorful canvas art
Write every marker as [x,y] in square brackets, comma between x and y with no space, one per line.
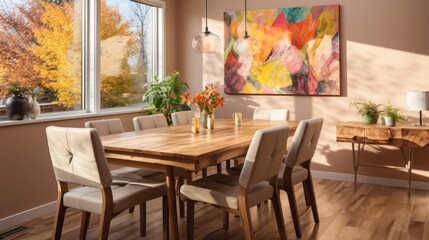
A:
[298,51]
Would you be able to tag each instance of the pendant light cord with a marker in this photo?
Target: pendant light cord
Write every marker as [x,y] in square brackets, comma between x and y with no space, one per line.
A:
[207,29]
[245,20]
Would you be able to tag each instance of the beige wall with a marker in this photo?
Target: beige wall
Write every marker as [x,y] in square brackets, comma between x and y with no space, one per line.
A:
[26,176]
[384,53]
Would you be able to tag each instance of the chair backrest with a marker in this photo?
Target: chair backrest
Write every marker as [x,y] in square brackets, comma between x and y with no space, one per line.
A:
[264,156]
[106,126]
[183,117]
[270,114]
[77,156]
[304,141]
[149,121]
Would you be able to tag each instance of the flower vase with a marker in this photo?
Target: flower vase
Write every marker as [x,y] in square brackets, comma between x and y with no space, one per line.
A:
[33,108]
[16,107]
[206,120]
[203,119]
[210,121]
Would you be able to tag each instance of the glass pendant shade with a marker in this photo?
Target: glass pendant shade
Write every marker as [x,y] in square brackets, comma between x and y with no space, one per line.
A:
[246,45]
[205,42]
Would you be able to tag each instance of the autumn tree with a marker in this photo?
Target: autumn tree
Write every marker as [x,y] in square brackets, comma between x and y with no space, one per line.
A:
[16,40]
[59,48]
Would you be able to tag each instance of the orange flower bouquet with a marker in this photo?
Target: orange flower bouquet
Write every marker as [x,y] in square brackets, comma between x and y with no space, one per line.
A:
[207,100]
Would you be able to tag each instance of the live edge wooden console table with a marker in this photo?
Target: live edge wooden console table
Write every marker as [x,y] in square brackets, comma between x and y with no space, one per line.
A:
[407,138]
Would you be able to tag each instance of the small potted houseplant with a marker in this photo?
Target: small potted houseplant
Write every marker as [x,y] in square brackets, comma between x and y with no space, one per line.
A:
[17,104]
[164,95]
[391,115]
[368,110]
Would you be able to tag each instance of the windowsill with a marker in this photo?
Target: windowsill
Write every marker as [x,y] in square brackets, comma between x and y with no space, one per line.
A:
[57,117]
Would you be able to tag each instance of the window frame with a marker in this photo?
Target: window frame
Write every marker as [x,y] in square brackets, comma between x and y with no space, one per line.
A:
[91,97]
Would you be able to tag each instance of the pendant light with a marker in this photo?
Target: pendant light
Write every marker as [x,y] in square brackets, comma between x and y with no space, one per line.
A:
[246,44]
[205,42]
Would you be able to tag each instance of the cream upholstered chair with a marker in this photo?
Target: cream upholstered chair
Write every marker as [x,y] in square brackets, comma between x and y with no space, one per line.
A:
[124,174]
[149,121]
[275,114]
[257,183]
[270,114]
[183,117]
[296,168]
[78,158]
[155,121]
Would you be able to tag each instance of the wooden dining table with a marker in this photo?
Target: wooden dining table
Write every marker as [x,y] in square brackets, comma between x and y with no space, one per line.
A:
[163,149]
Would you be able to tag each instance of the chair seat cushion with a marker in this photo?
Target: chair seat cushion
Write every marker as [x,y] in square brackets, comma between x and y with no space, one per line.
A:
[299,174]
[89,199]
[222,190]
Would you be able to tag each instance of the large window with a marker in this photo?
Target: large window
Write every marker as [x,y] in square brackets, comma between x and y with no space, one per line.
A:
[50,44]
[129,51]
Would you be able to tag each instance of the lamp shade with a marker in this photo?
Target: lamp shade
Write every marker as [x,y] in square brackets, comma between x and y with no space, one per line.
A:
[205,42]
[418,100]
[246,45]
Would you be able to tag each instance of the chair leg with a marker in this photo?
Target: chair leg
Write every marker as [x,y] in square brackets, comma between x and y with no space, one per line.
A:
[59,220]
[190,219]
[165,223]
[61,211]
[293,208]
[205,172]
[243,208]
[279,214]
[106,214]
[84,224]
[104,226]
[309,185]
[143,219]
[225,220]
[180,182]
[306,195]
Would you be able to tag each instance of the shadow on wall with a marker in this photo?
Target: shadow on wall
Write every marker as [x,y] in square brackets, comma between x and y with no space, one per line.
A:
[378,155]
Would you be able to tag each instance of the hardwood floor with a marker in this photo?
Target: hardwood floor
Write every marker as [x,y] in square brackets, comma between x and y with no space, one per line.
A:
[370,212]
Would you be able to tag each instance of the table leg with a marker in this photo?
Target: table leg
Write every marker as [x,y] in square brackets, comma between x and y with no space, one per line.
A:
[171,192]
[357,156]
[408,158]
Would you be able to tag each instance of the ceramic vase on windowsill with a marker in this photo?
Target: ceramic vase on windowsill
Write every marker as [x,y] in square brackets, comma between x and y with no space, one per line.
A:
[33,108]
[16,107]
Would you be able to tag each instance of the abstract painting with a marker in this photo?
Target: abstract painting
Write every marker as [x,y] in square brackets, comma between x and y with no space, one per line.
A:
[298,51]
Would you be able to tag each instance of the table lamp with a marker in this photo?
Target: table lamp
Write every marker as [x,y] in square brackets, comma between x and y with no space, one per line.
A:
[418,101]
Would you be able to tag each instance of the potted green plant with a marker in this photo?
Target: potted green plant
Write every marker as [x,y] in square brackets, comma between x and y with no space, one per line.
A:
[164,96]
[368,110]
[391,115]
[17,104]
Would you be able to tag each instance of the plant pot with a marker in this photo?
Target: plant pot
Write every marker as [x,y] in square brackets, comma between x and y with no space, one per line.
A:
[16,107]
[389,121]
[370,119]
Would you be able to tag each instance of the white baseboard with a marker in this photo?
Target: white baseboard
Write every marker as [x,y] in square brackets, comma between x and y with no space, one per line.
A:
[372,180]
[22,217]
